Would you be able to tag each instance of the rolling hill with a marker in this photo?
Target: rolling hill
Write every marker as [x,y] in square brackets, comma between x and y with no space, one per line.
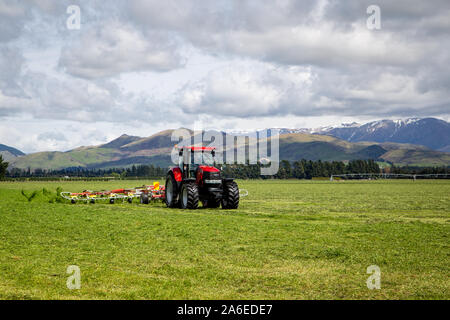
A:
[120,141]
[296,146]
[121,152]
[130,150]
[9,153]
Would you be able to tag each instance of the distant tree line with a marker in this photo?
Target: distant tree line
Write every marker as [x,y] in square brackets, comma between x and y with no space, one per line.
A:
[418,170]
[303,169]
[147,171]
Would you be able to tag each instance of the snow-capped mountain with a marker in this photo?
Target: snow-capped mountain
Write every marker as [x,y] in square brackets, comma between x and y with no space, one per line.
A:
[430,132]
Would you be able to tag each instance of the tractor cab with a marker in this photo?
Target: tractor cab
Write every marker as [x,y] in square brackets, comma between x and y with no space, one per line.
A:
[192,159]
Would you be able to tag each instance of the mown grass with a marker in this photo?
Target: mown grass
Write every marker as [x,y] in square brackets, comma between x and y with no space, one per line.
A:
[288,240]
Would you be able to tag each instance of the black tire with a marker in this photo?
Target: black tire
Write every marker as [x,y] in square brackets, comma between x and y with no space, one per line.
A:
[130,200]
[72,201]
[144,198]
[92,201]
[230,196]
[111,201]
[171,192]
[189,196]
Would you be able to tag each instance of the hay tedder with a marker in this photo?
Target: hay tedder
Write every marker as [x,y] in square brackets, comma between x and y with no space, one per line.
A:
[145,194]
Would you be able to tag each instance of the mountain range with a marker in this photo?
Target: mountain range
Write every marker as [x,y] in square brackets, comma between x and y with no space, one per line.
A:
[429,132]
[403,142]
[346,142]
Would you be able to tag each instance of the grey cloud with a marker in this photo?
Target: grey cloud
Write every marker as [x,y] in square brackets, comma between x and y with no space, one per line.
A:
[400,14]
[293,32]
[11,63]
[112,48]
[246,91]
[52,135]
[16,15]
[211,17]
[84,100]
[12,18]
[269,91]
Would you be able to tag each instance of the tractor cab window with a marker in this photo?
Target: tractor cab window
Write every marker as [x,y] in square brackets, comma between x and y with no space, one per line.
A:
[198,158]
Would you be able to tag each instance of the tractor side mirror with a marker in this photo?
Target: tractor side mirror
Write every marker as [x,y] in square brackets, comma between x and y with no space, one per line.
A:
[213,153]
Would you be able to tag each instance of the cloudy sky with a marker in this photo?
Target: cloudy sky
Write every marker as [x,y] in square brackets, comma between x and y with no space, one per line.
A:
[138,67]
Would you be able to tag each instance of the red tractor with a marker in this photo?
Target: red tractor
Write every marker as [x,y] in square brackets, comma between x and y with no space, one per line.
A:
[193,181]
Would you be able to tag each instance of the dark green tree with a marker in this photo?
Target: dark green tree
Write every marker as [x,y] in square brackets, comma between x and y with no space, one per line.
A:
[299,170]
[3,167]
[285,170]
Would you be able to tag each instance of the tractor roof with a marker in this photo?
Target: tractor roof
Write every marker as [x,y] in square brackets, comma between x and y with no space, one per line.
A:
[195,148]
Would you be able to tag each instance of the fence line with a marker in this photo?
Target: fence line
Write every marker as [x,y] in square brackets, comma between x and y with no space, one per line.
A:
[392,176]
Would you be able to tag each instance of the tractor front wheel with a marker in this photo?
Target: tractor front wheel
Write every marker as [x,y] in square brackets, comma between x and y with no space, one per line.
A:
[189,196]
[230,197]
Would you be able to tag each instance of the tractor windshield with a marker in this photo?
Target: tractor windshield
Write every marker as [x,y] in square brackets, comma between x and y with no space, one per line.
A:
[202,157]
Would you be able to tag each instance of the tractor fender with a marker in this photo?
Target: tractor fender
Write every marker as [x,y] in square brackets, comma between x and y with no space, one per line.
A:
[176,172]
[227,179]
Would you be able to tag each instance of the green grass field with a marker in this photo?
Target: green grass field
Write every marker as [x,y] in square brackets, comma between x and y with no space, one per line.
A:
[288,240]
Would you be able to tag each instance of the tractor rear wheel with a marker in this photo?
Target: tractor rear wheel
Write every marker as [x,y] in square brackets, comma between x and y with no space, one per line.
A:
[230,196]
[171,192]
[189,196]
